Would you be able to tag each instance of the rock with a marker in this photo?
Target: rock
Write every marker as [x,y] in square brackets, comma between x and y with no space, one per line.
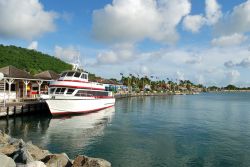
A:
[36,152]
[22,155]
[11,146]
[4,138]
[36,164]
[6,161]
[54,160]
[84,161]
[8,149]
[14,141]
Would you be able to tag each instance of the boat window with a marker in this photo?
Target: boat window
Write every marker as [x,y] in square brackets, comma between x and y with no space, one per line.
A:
[70,91]
[83,93]
[60,90]
[83,76]
[77,74]
[91,93]
[70,74]
[63,90]
[52,90]
[64,74]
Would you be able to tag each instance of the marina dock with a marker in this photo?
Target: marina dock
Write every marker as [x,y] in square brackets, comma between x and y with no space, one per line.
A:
[22,108]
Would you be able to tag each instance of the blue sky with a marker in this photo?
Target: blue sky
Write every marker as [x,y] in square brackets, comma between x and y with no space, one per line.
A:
[206,41]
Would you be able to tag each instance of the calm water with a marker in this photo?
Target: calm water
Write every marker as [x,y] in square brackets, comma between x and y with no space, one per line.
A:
[193,130]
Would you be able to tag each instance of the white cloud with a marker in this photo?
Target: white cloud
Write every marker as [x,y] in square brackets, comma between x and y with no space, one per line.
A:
[25,19]
[67,16]
[245,63]
[238,21]
[130,20]
[200,79]
[119,53]
[193,23]
[194,60]
[69,54]
[213,13]
[229,64]
[180,75]
[232,76]
[234,39]
[144,70]
[33,45]
[199,65]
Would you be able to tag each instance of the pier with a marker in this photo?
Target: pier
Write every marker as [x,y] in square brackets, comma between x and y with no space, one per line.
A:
[20,92]
[22,108]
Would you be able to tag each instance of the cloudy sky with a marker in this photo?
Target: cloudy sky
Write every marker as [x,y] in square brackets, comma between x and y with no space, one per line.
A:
[206,41]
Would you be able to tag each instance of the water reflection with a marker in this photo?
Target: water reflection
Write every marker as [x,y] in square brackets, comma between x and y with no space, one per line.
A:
[64,134]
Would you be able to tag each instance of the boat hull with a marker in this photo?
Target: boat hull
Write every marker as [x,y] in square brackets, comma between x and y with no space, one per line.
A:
[78,106]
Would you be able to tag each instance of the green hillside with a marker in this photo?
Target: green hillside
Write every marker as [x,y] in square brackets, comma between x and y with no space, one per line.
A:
[30,60]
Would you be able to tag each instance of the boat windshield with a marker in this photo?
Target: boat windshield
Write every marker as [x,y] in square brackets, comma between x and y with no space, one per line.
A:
[77,74]
[64,74]
[70,74]
[84,76]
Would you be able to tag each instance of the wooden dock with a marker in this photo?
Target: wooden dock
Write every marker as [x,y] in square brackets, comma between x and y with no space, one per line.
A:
[21,108]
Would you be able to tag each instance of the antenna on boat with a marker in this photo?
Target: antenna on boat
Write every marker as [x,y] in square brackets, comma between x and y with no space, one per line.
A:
[77,65]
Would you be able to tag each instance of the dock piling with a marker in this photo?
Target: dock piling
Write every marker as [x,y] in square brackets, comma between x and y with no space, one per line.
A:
[14,110]
[7,111]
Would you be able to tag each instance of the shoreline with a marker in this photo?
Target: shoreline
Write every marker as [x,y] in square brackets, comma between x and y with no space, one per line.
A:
[124,95]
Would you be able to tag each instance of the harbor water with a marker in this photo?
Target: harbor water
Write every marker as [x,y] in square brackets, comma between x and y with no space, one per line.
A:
[194,130]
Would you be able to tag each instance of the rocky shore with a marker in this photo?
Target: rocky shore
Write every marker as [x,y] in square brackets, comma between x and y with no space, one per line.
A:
[15,152]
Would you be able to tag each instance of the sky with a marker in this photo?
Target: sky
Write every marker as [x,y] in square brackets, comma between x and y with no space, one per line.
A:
[205,41]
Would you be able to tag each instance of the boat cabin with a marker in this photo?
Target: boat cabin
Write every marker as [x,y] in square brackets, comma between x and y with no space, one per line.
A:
[78,92]
[74,75]
[73,83]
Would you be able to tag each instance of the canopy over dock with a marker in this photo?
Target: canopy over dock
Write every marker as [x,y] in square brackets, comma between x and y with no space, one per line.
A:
[17,84]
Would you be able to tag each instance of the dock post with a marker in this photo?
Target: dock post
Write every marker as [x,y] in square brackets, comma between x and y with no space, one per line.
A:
[41,107]
[28,108]
[14,110]
[7,112]
[35,107]
[22,109]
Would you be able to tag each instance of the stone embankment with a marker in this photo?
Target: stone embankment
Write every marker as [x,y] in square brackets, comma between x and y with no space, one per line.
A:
[15,152]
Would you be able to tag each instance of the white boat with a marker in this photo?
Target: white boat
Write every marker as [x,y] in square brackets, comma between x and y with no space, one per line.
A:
[72,93]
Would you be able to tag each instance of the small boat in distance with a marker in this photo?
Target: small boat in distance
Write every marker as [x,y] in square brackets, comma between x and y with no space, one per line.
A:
[72,93]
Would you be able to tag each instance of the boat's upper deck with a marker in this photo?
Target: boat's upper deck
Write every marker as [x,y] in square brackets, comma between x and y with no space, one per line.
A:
[74,79]
[74,76]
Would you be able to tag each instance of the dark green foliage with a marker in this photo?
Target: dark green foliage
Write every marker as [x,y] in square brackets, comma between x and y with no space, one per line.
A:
[231,87]
[30,60]
[93,77]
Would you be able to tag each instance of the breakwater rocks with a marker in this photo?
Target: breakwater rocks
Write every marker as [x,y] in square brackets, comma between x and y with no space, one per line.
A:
[15,152]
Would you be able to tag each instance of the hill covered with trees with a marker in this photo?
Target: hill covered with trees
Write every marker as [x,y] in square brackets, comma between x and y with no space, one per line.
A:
[30,60]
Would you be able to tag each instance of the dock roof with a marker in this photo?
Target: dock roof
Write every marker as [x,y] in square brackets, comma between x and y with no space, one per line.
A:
[48,75]
[13,72]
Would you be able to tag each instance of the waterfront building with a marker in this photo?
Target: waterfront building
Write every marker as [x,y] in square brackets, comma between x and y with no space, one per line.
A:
[18,84]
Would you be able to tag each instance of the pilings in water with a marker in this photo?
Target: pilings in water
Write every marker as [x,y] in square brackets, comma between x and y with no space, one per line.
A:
[21,108]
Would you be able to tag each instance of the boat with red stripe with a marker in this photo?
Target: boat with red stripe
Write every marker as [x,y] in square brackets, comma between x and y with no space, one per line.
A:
[72,93]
